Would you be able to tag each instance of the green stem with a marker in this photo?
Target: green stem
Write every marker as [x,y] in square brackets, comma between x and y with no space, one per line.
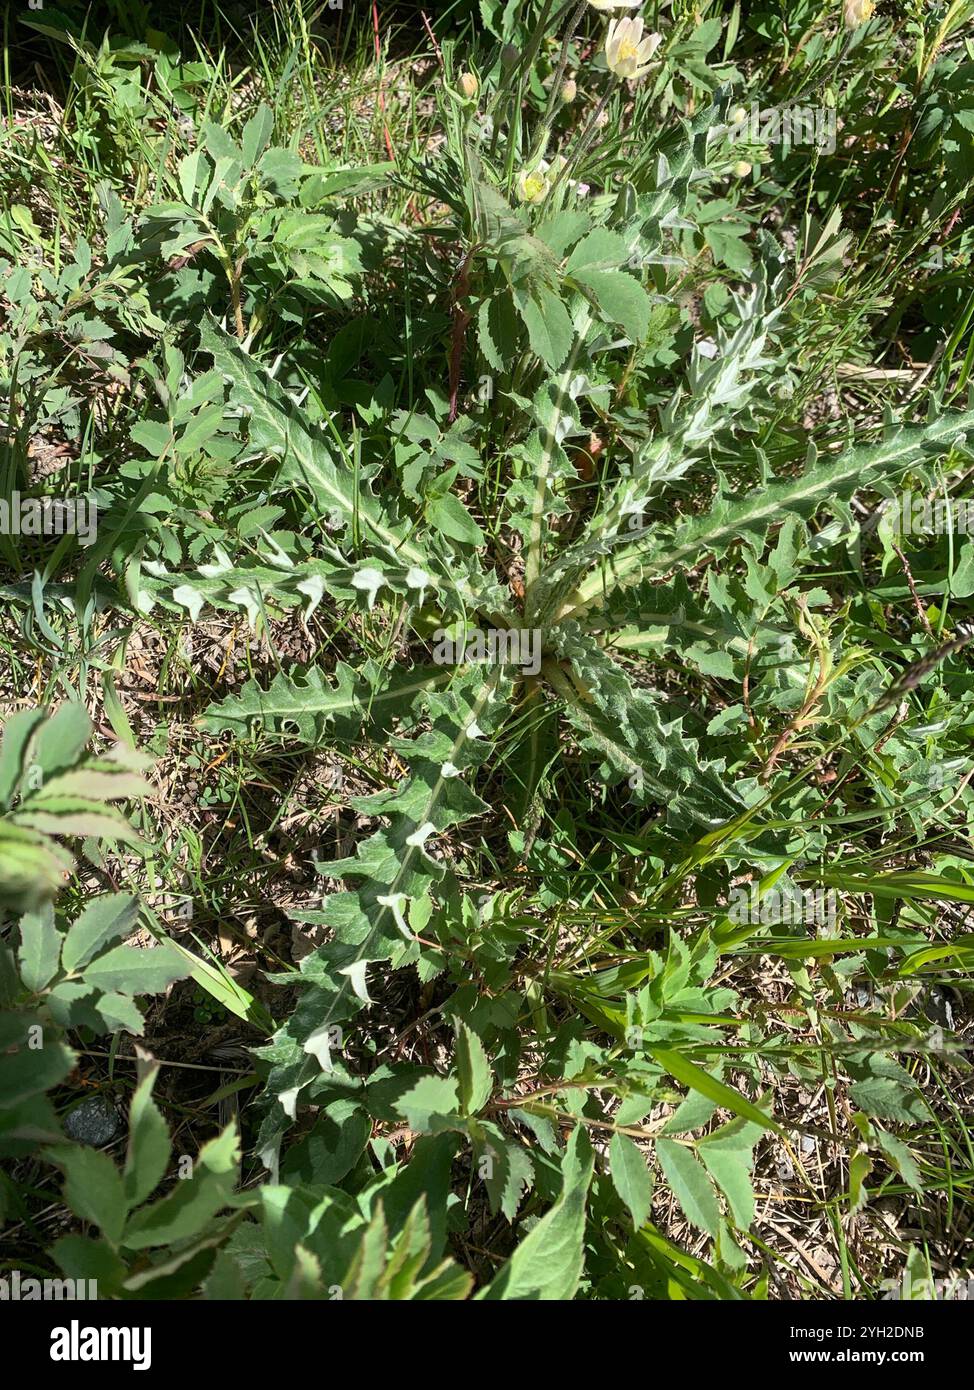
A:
[554,100]
[526,64]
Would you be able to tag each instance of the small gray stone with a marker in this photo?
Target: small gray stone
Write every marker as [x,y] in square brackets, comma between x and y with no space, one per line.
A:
[93,1122]
[808,1144]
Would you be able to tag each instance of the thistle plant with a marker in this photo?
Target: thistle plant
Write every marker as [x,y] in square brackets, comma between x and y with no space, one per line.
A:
[553,306]
[565,292]
[606,636]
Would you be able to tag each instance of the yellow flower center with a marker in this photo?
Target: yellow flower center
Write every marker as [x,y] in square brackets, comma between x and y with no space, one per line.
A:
[627,50]
[534,186]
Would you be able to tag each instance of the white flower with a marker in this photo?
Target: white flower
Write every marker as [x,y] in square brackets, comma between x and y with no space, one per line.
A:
[615,4]
[856,12]
[627,53]
[532,185]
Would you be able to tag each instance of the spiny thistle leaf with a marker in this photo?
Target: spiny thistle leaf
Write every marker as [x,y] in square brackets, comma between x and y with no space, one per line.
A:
[371,699]
[276,584]
[624,728]
[308,458]
[718,384]
[749,518]
[372,923]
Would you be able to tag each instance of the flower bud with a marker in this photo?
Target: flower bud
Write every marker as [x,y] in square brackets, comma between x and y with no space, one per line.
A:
[469,85]
[741,169]
[856,12]
[569,90]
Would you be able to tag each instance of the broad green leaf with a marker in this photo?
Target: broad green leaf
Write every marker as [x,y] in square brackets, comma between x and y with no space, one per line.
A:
[135,970]
[426,1177]
[193,1201]
[729,1167]
[73,816]
[61,794]
[448,1281]
[188,172]
[859,1170]
[360,1280]
[889,1099]
[32,1060]
[17,733]
[448,515]
[620,298]
[147,1156]
[726,241]
[631,1177]
[102,921]
[690,1183]
[430,1105]
[331,1148]
[114,1012]
[507,1170]
[693,1112]
[61,740]
[473,1071]
[602,249]
[549,325]
[256,134]
[84,1257]
[32,867]
[40,947]
[547,1265]
[900,1158]
[92,1187]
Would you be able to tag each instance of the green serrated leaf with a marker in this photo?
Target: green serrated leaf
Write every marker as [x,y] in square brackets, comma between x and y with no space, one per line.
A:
[631,1177]
[40,947]
[690,1183]
[147,1156]
[102,921]
[475,1078]
[194,1200]
[620,298]
[547,1265]
[92,1187]
[136,970]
